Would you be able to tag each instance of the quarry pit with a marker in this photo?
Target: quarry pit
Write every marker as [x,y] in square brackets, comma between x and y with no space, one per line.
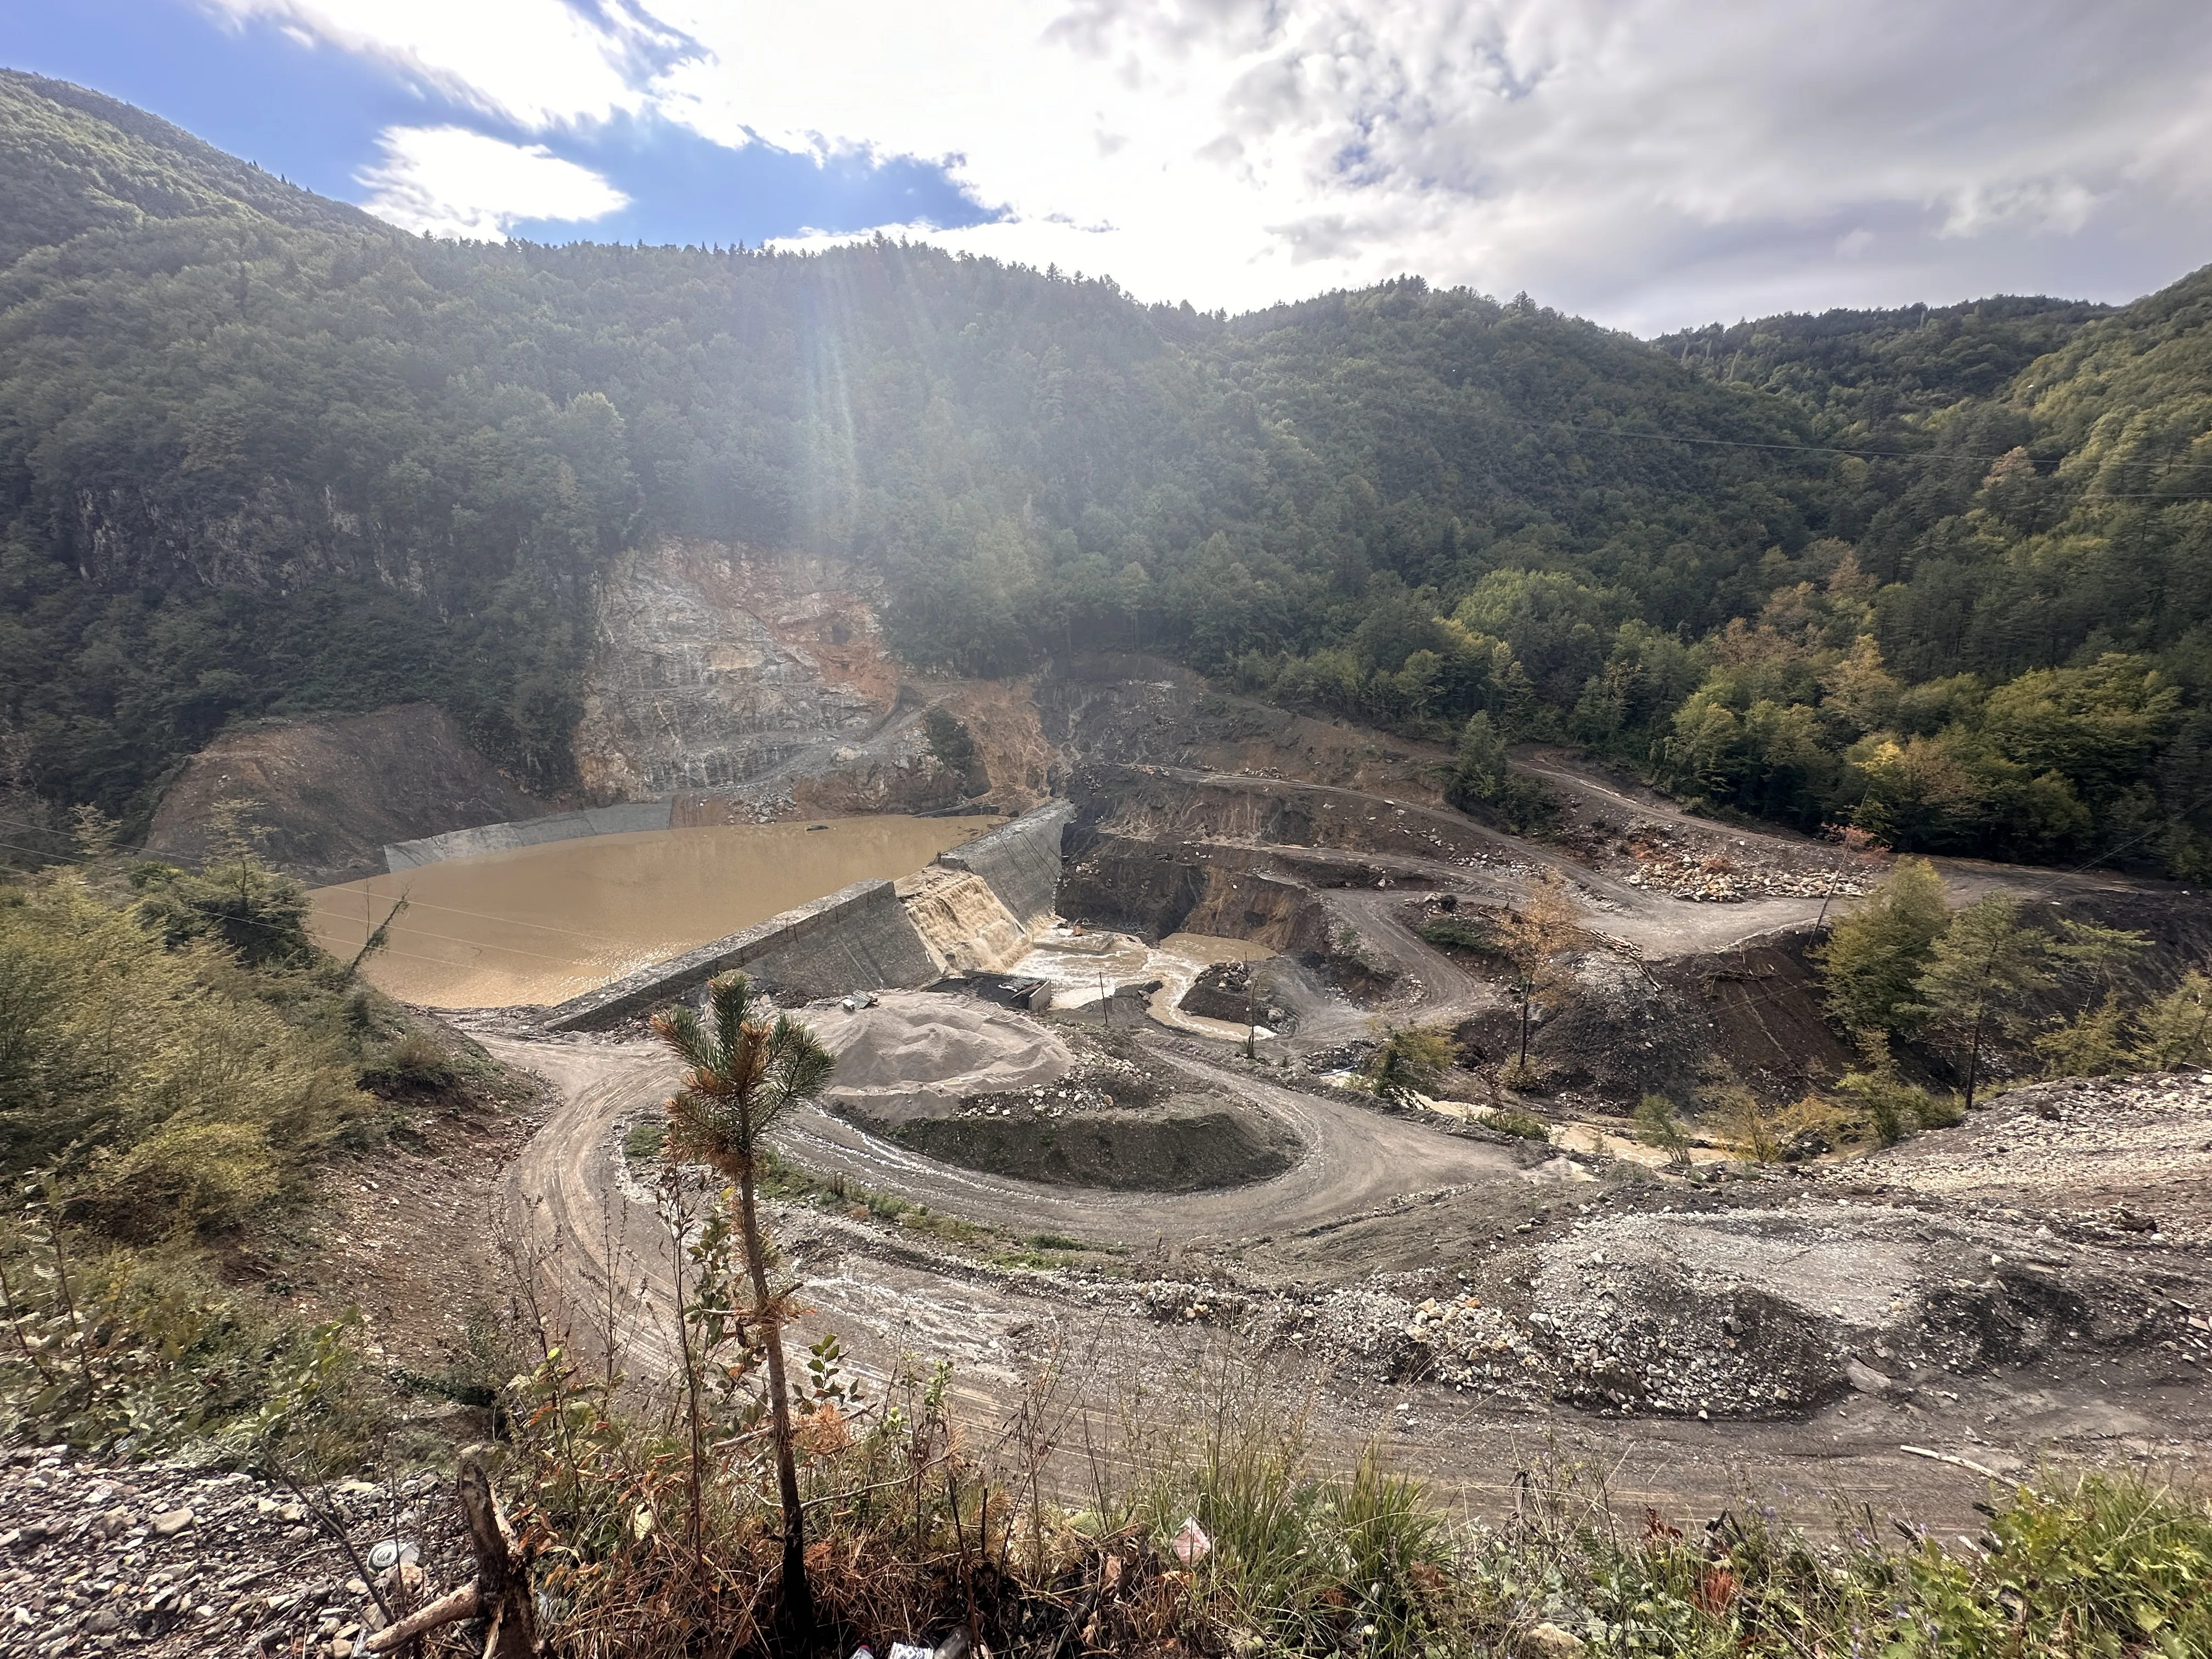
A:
[1089,1121]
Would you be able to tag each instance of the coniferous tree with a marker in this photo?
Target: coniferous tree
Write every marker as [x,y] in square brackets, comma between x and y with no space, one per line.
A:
[1980,974]
[743,1072]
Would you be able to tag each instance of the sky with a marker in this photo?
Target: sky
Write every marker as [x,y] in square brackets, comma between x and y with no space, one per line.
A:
[1650,164]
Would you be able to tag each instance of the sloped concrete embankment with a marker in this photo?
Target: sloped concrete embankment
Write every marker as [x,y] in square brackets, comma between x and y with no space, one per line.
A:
[629,816]
[856,938]
[1020,861]
[862,938]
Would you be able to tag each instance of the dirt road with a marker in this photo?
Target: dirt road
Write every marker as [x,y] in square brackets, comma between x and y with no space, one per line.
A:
[890,1298]
[1372,1198]
[570,1179]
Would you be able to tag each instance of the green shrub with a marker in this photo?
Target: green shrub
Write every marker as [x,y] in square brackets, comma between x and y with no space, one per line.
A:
[1893,1106]
[1460,933]
[1512,1121]
[1657,1126]
[1306,1562]
[144,1352]
[158,1088]
[643,1143]
[415,1060]
[1410,1059]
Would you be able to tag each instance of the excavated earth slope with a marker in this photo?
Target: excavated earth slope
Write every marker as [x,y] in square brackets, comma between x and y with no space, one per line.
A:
[332,793]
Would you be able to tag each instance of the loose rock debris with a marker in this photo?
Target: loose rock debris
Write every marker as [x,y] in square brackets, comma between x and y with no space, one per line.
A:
[1728,878]
[162,1558]
[2104,1158]
[1760,1311]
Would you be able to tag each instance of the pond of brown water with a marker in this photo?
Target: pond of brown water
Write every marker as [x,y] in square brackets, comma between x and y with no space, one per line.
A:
[542,924]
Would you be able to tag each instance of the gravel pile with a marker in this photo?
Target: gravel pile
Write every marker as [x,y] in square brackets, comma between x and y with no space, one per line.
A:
[1759,1311]
[1180,1300]
[1095,1082]
[161,1559]
[2107,1158]
[918,1055]
[1376,1336]
[1755,1312]
[1471,1347]
[1722,881]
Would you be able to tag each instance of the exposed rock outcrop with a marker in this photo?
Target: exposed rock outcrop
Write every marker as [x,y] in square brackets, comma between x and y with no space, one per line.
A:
[726,668]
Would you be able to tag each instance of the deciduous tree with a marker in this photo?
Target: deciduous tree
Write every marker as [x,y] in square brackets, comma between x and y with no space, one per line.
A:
[1871,962]
[1549,922]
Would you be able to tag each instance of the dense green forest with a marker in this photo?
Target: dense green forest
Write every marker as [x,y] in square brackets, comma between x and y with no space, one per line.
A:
[1941,570]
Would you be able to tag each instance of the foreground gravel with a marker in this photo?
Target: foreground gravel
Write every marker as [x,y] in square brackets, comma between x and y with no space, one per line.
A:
[162,1558]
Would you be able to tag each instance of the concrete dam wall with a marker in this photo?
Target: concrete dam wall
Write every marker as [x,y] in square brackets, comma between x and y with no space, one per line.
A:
[862,938]
[1019,860]
[857,940]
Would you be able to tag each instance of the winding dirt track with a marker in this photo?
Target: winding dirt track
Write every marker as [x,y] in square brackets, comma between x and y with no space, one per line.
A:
[572,1201]
[574,1206]
[569,1190]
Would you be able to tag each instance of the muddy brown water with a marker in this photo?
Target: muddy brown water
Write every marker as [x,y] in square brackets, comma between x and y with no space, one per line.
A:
[542,924]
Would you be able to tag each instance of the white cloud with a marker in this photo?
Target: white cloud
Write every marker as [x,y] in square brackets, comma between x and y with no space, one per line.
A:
[452,182]
[1649,162]
[535,63]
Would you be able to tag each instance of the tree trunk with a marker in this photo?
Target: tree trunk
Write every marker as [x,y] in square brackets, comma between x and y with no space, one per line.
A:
[1526,992]
[1974,1055]
[797,1604]
[503,1586]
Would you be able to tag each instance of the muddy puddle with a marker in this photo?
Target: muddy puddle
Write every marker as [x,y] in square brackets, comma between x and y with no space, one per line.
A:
[542,924]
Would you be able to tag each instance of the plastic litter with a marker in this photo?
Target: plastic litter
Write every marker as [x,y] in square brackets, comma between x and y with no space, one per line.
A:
[1191,1545]
[864,1651]
[911,1650]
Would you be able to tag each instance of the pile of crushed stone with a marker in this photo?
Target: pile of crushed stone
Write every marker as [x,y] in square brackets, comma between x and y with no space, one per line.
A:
[1707,875]
[916,1054]
[1762,1311]
[2104,1157]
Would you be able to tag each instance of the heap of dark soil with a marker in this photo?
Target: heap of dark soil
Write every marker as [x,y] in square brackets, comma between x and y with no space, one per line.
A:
[1224,992]
[1752,1015]
[1190,1144]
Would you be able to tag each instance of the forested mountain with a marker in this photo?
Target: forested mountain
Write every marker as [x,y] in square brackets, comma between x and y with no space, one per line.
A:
[1942,569]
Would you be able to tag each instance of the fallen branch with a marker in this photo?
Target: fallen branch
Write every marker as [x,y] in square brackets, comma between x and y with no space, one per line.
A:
[448,1609]
[330,1523]
[1960,1462]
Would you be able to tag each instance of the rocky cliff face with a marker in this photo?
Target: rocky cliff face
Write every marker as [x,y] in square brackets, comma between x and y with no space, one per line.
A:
[730,671]
[749,685]
[718,666]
